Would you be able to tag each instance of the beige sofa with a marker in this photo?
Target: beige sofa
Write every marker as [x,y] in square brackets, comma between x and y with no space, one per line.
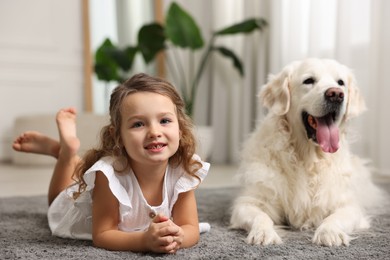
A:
[88,130]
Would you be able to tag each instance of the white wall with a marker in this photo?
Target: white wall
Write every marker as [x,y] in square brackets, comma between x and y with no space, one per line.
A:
[41,61]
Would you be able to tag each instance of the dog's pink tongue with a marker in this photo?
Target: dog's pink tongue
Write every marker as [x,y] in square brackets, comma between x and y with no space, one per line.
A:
[327,134]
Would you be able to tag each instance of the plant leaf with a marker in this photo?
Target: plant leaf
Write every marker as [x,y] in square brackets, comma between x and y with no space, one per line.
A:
[123,58]
[130,54]
[105,67]
[246,26]
[151,40]
[100,54]
[107,72]
[181,29]
[230,54]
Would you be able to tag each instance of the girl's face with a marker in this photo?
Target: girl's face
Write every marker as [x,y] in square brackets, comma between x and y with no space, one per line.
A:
[150,129]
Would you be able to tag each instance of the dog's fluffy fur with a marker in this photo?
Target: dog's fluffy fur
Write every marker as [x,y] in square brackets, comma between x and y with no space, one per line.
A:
[297,168]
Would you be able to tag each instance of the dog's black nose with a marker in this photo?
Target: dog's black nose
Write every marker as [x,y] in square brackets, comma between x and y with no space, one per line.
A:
[334,95]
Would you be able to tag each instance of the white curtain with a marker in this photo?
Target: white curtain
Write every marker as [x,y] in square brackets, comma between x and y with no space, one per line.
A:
[234,99]
[378,86]
[225,100]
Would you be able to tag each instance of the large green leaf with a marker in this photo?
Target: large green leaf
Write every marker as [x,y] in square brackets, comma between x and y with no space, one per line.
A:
[105,66]
[101,54]
[181,29]
[234,58]
[107,72]
[109,60]
[151,40]
[246,26]
[124,58]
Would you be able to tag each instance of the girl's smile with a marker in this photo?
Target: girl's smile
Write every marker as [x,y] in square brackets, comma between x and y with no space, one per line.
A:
[155,147]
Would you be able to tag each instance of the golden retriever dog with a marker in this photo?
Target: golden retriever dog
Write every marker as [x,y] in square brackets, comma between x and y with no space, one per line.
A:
[297,169]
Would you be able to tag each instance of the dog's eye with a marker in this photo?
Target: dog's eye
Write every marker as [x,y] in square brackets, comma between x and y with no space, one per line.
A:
[340,82]
[309,81]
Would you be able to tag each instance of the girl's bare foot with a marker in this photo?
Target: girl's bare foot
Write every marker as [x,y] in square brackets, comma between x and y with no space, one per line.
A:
[67,157]
[66,123]
[35,142]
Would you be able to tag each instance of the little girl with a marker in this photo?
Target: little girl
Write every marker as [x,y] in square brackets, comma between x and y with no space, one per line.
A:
[136,191]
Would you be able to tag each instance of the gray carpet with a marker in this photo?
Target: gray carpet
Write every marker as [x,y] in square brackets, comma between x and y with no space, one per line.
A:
[24,234]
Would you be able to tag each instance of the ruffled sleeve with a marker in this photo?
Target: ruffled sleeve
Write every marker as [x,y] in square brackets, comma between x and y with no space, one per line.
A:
[187,182]
[115,182]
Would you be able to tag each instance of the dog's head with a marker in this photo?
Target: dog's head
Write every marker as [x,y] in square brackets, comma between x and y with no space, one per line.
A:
[317,96]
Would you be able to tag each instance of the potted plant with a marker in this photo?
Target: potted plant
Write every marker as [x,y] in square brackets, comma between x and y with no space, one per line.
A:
[179,31]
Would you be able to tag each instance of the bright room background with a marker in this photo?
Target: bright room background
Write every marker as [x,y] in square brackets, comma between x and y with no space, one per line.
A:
[354,32]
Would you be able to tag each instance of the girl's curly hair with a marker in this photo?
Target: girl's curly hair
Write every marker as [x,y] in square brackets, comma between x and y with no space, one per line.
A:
[110,138]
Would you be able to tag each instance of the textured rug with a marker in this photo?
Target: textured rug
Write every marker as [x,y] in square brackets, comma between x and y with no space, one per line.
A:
[24,234]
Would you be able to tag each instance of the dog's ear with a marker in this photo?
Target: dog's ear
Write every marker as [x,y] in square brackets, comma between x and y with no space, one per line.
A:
[275,95]
[356,104]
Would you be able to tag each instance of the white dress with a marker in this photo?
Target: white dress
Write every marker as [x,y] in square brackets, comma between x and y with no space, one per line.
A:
[71,218]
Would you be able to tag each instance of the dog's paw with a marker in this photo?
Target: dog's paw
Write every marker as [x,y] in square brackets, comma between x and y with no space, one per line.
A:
[263,237]
[330,235]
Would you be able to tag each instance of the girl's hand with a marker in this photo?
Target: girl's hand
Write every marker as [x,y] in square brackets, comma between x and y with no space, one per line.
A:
[163,236]
[177,236]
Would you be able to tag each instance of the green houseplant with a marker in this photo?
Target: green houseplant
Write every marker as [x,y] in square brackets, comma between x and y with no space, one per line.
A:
[179,31]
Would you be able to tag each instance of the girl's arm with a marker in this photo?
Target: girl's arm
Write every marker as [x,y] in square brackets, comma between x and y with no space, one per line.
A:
[105,233]
[185,215]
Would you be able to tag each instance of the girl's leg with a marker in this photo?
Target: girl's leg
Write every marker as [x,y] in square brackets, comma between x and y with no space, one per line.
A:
[35,142]
[67,159]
